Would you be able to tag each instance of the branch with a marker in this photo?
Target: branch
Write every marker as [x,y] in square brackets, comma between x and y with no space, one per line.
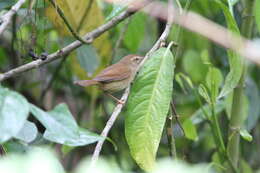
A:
[6,18]
[237,118]
[89,37]
[108,126]
[198,24]
[119,106]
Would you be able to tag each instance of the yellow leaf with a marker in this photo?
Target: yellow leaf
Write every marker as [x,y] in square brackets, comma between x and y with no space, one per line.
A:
[76,13]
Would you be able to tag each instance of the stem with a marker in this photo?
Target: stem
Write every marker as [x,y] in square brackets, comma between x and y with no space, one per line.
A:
[85,15]
[170,132]
[53,77]
[214,125]
[170,137]
[217,133]
[61,14]
[236,120]
[6,18]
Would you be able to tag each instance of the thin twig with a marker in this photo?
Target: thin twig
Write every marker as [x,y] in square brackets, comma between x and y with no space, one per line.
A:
[170,136]
[55,74]
[176,116]
[61,14]
[119,106]
[2,150]
[109,125]
[85,15]
[6,18]
[89,37]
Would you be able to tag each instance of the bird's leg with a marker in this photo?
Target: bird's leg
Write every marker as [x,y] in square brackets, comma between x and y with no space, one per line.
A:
[118,101]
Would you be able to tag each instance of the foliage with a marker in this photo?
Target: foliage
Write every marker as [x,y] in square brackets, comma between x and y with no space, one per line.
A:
[48,124]
[148,107]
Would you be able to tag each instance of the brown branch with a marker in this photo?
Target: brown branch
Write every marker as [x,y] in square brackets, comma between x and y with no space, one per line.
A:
[118,108]
[89,37]
[6,18]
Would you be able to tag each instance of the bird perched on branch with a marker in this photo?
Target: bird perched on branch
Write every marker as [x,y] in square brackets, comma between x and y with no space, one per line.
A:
[115,77]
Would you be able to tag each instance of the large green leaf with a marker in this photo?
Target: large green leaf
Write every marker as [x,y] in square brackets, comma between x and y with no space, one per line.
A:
[62,128]
[147,107]
[14,110]
[235,61]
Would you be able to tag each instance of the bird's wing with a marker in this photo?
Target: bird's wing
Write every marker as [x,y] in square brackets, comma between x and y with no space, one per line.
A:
[115,72]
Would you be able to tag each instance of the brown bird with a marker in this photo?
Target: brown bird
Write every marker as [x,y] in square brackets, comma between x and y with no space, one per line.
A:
[115,77]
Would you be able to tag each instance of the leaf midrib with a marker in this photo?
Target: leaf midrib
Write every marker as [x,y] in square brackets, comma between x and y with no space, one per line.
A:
[153,90]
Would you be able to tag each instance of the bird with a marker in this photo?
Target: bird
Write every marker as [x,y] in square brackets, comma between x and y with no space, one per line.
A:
[115,77]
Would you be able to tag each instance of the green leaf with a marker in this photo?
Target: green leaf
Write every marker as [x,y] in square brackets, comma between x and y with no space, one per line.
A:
[117,9]
[180,77]
[193,66]
[199,116]
[213,81]
[88,58]
[245,135]
[28,133]
[254,99]
[216,162]
[62,128]
[135,32]
[257,14]
[190,130]
[245,167]
[235,61]
[5,4]
[14,110]
[148,106]
[204,93]
[15,147]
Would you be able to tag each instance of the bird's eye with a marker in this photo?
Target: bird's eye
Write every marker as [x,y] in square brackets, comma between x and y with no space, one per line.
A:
[136,59]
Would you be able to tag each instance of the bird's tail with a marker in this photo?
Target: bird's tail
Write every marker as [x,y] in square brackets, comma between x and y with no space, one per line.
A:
[86,83]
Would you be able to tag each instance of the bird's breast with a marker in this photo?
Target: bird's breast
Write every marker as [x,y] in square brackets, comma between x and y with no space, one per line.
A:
[116,85]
